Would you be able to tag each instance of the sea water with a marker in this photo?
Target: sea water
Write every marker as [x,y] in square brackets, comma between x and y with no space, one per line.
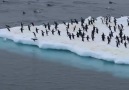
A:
[67,58]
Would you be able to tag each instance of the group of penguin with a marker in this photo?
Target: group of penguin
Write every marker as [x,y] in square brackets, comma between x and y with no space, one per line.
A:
[82,31]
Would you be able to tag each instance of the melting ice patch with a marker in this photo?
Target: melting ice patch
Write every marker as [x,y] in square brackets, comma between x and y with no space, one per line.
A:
[98,49]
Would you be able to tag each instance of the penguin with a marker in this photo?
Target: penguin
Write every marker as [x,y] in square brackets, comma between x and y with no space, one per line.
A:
[92,38]
[56,25]
[42,32]
[128,39]
[29,27]
[34,34]
[64,23]
[73,35]
[110,2]
[34,39]
[87,37]
[128,22]
[68,25]
[82,38]
[122,26]
[72,21]
[45,25]
[23,12]
[122,41]
[48,26]
[21,25]
[37,30]
[97,30]
[74,28]
[86,27]
[75,20]
[125,44]
[47,32]
[117,44]
[109,27]
[21,29]
[4,1]
[8,27]
[59,32]
[114,28]
[52,31]
[94,27]
[115,21]
[109,39]
[69,35]
[32,23]
[103,37]
[77,34]
[82,20]
[124,37]
[102,20]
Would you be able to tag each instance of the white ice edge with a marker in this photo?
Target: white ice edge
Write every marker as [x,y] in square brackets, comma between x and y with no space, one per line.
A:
[93,49]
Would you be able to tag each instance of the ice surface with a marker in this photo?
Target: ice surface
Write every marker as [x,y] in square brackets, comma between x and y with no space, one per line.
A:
[97,48]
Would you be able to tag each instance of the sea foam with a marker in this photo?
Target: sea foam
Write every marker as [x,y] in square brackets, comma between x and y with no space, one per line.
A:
[96,49]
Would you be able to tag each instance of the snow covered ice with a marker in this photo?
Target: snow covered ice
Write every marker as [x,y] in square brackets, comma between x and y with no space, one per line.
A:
[94,48]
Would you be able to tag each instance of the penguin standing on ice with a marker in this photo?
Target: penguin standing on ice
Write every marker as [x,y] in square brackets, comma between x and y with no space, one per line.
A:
[103,37]
[117,44]
[45,25]
[122,27]
[77,34]
[86,27]
[48,26]
[121,33]
[59,32]
[122,41]
[21,29]
[69,35]
[47,32]
[35,38]
[124,37]
[128,39]
[42,32]
[56,25]
[37,30]
[109,27]
[74,28]
[29,27]
[75,20]
[97,30]
[128,21]
[68,25]
[92,38]
[34,34]
[52,31]
[114,28]
[72,21]
[102,20]
[64,23]
[109,39]
[73,35]
[87,37]
[125,44]
[115,21]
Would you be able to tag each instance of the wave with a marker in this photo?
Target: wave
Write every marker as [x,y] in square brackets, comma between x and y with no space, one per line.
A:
[97,49]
